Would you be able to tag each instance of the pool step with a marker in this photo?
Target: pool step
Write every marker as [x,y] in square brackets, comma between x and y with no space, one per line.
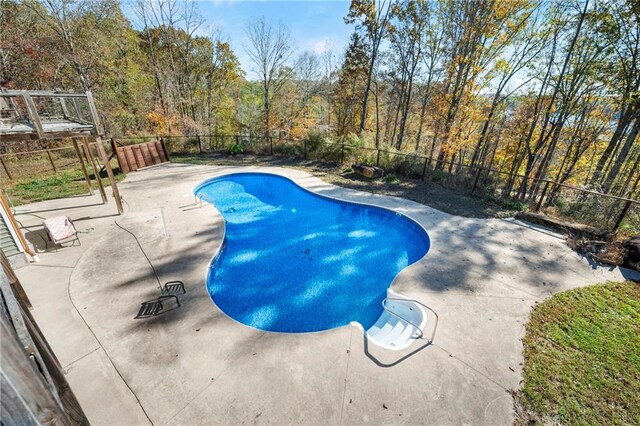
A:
[399,325]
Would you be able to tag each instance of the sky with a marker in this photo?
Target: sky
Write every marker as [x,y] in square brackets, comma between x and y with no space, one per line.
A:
[315,25]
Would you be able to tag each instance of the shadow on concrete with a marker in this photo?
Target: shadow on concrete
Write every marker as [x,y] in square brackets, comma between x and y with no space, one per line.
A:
[142,285]
[627,274]
[82,206]
[434,319]
[463,246]
[468,255]
[40,240]
[379,363]
[42,244]
[630,274]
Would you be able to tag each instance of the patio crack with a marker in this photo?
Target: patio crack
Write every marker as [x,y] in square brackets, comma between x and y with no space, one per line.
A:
[139,403]
[346,375]
[474,369]
[66,367]
[211,382]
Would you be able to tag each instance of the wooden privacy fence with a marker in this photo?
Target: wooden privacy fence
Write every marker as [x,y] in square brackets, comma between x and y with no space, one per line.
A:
[134,157]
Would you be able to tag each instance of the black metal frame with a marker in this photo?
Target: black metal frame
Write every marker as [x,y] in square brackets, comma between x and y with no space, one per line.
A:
[154,307]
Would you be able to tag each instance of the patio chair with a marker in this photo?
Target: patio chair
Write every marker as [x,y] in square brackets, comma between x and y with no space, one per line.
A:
[154,307]
[60,229]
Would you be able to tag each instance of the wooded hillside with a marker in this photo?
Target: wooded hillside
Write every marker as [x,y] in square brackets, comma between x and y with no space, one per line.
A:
[548,89]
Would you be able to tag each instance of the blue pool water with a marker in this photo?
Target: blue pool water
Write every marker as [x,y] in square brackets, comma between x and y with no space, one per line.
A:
[295,261]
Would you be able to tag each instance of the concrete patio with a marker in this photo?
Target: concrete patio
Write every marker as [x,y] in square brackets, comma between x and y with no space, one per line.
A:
[194,365]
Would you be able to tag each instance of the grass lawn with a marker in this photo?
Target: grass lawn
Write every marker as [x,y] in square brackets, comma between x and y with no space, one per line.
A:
[582,358]
[65,183]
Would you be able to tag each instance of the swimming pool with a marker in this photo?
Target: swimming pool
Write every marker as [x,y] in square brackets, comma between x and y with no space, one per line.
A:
[295,261]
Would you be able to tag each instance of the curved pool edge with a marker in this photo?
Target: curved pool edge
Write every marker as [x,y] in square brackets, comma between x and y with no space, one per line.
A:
[356,203]
[261,170]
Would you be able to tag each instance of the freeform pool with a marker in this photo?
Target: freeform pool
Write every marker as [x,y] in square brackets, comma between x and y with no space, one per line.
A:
[295,261]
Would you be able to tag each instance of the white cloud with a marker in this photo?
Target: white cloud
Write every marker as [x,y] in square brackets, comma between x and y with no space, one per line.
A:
[319,46]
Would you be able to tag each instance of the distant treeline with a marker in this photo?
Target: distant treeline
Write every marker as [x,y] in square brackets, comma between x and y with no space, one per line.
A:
[547,89]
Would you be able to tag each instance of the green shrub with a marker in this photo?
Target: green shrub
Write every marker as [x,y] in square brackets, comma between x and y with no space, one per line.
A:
[358,156]
[248,145]
[561,203]
[631,224]
[287,150]
[407,165]
[391,178]
[437,176]
[353,139]
[509,203]
[191,144]
[314,142]
[333,152]
[384,160]
[235,148]
[587,208]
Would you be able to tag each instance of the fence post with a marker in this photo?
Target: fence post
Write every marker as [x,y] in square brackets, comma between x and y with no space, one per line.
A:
[96,174]
[625,210]
[544,192]
[304,149]
[82,165]
[6,169]
[342,154]
[52,163]
[271,145]
[424,168]
[164,148]
[475,182]
[199,145]
[237,139]
[378,158]
[107,166]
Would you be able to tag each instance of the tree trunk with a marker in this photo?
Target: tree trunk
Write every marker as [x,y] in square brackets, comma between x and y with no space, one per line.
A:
[407,106]
[542,138]
[267,112]
[377,118]
[622,156]
[621,127]
[423,110]
[485,128]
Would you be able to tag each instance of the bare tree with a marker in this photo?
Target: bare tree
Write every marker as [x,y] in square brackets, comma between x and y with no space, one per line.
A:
[623,30]
[63,15]
[372,17]
[269,49]
[411,21]
[329,77]
[433,52]
[142,10]
[524,47]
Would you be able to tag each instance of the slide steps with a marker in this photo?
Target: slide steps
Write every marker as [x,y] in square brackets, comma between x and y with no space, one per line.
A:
[401,323]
